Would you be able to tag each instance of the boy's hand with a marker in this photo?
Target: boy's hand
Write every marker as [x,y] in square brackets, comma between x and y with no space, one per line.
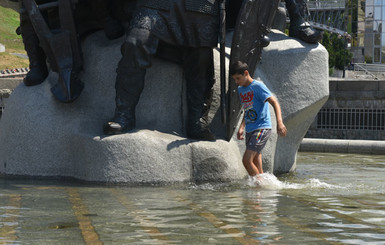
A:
[281,130]
[241,130]
[240,133]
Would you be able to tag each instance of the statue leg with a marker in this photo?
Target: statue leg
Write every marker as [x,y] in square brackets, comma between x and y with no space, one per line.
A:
[232,11]
[37,58]
[102,10]
[299,28]
[136,57]
[61,48]
[199,71]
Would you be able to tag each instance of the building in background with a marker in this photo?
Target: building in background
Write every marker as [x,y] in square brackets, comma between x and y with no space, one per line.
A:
[355,109]
[363,20]
[373,25]
[366,24]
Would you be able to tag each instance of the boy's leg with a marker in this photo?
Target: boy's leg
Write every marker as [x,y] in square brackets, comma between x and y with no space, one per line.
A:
[248,162]
[258,162]
[255,142]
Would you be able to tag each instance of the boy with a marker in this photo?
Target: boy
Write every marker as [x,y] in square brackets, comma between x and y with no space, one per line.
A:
[254,95]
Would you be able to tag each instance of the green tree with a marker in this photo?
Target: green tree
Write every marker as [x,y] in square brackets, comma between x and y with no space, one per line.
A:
[338,55]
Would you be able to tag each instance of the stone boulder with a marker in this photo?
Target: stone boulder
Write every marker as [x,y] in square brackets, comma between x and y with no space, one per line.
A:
[40,136]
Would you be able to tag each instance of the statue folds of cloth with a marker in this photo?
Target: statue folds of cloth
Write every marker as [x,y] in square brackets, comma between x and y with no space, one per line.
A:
[50,32]
[184,31]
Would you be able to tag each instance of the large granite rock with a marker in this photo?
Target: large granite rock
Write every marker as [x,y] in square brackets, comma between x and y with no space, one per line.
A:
[42,137]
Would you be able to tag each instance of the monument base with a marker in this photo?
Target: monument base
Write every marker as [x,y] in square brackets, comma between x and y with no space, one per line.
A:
[40,136]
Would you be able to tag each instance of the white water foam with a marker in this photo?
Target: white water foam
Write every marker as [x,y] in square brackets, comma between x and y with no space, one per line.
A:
[269,181]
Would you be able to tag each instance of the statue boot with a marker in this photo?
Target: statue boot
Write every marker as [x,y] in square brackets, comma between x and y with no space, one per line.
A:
[299,27]
[198,122]
[37,59]
[199,72]
[129,87]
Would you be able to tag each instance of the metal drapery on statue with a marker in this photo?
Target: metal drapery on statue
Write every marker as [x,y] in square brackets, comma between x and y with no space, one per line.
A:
[184,31]
[62,48]
[250,37]
[49,31]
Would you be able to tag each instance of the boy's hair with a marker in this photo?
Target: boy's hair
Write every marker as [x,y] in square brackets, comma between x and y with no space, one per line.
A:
[238,67]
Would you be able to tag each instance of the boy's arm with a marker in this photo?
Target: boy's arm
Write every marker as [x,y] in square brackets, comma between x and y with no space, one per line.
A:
[281,128]
[241,130]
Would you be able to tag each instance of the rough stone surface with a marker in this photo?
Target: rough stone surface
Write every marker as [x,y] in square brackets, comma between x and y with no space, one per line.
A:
[10,83]
[42,137]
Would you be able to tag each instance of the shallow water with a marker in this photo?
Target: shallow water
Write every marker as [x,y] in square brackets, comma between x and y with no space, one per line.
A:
[331,199]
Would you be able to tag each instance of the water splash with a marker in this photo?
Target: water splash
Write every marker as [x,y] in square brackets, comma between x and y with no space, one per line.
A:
[266,181]
[269,181]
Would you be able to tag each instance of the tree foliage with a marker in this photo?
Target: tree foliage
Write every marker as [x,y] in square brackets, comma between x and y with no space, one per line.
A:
[338,55]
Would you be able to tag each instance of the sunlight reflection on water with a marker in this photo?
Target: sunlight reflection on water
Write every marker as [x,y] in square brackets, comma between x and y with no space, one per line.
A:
[330,198]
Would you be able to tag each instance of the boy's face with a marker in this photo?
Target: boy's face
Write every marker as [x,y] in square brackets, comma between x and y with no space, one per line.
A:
[241,79]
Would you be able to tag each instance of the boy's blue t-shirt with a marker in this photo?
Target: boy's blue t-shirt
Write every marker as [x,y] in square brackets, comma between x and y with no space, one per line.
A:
[253,99]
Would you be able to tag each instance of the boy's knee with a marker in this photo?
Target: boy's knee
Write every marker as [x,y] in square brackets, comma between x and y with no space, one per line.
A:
[247,159]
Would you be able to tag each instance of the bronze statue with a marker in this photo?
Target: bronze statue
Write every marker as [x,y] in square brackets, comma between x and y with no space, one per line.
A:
[49,31]
[61,47]
[299,27]
[37,58]
[184,31]
[298,14]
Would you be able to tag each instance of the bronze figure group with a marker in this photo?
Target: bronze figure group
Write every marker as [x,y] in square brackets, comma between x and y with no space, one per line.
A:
[182,31]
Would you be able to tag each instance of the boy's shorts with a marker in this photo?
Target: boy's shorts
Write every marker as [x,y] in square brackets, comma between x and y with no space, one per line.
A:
[256,140]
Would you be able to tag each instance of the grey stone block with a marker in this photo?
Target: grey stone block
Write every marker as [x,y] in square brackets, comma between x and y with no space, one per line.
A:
[40,136]
[333,85]
[381,85]
[360,147]
[338,146]
[343,146]
[357,86]
[10,83]
[312,145]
